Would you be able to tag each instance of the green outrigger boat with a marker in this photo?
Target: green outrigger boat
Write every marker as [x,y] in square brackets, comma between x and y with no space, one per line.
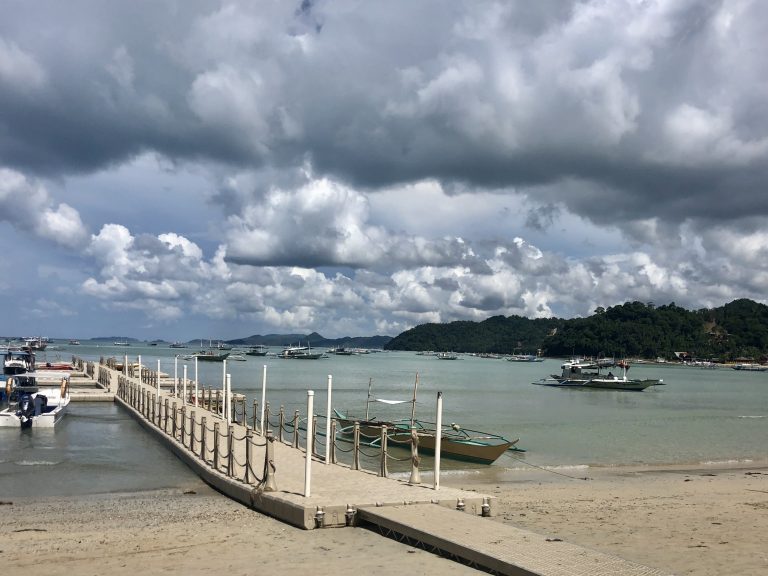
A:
[456,443]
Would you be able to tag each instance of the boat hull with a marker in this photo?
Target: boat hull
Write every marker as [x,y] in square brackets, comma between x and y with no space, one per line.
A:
[455,448]
[57,408]
[600,384]
[210,357]
[48,420]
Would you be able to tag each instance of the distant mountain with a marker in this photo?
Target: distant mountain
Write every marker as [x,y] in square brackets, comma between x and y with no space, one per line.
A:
[314,339]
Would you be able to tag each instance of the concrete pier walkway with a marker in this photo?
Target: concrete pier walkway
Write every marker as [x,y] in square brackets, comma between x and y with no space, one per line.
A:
[269,476]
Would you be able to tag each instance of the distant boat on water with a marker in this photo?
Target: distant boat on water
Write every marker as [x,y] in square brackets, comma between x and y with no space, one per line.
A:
[210,356]
[526,357]
[300,353]
[35,344]
[584,374]
[259,350]
[751,367]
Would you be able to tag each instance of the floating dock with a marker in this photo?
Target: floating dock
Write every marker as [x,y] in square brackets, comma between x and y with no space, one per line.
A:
[270,476]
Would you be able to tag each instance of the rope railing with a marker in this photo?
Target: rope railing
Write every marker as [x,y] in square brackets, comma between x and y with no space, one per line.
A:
[231,450]
[179,421]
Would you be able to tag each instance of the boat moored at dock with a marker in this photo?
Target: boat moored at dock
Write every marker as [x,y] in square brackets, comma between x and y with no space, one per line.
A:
[35,399]
[456,443]
[18,362]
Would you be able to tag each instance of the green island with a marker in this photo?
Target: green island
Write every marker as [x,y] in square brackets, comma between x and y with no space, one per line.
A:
[737,331]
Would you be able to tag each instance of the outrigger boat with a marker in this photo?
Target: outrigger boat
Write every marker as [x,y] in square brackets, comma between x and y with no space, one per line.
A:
[210,356]
[35,399]
[456,442]
[583,374]
[259,350]
[300,353]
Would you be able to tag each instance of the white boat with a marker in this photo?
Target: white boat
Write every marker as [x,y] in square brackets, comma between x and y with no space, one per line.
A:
[341,351]
[751,367]
[525,358]
[18,362]
[237,357]
[37,343]
[447,356]
[35,399]
[300,353]
[582,374]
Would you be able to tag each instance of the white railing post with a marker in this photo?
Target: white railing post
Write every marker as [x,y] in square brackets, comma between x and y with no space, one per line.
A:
[228,399]
[308,454]
[438,438]
[197,403]
[157,395]
[224,387]
[176,376]
[184,387]
[263,397]
[139,359]
[328,439]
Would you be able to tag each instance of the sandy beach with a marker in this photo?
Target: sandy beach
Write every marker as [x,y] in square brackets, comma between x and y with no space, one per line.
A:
[699,522]
[711,520]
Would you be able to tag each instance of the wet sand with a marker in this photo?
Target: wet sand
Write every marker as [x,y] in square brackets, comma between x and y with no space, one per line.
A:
[701,522]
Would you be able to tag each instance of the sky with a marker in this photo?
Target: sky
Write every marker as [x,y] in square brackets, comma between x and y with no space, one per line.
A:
[182,169]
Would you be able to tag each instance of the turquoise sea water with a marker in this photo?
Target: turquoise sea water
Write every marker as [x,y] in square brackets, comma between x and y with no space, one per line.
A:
[698,416]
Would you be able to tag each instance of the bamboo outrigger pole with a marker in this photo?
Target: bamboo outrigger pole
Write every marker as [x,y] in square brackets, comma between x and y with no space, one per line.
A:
[413,405]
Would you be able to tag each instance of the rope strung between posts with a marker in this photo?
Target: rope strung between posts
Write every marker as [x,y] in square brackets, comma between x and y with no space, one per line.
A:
[364,453]
[390,457]
[176,420]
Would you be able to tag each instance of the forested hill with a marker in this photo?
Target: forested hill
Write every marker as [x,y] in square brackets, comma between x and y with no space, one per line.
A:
[634,329]
[494,335]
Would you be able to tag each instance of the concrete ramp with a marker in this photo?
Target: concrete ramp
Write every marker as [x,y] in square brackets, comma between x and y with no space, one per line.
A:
[492,546]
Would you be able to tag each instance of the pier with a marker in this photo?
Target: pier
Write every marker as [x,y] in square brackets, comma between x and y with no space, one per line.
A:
[262,463]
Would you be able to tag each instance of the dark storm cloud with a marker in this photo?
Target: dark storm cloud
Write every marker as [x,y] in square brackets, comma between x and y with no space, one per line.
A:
[357,166]
[488,95]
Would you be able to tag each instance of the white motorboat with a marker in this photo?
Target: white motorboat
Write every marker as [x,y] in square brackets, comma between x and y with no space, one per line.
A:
[585,374]
[18,362]
[35,399]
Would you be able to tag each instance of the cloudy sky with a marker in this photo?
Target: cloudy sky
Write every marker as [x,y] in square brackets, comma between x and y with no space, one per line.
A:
[186,169]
